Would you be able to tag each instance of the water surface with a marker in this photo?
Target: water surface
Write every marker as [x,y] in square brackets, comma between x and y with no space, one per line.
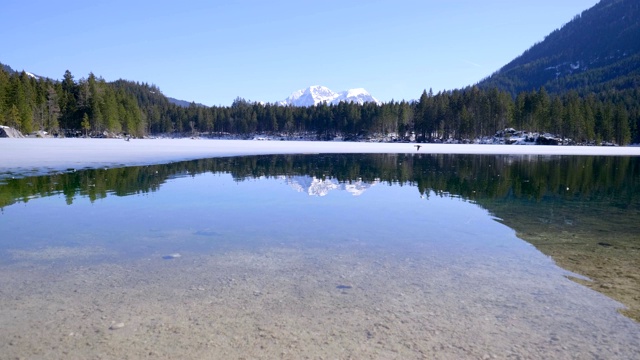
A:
[365,256]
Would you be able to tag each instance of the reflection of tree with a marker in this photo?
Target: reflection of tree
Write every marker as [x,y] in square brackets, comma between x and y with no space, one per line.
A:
[472,177]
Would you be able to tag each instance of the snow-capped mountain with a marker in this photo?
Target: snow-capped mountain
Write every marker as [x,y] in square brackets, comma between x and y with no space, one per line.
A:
[318,187]
[315,95]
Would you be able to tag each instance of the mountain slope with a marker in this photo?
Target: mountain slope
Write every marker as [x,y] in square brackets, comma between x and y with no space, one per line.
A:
[599,48]
[7,68]
[315,95]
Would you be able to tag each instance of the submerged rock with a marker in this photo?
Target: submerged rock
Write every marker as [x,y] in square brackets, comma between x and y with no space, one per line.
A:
[116,326]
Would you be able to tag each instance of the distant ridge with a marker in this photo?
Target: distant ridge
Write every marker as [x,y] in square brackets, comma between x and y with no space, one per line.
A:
[7,68]
[184,103]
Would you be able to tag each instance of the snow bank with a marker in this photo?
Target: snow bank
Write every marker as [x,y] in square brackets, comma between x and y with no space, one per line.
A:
[38,156]
[9,132]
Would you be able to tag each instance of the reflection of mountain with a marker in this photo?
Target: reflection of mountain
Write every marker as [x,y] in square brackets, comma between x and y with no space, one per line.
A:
[319,187]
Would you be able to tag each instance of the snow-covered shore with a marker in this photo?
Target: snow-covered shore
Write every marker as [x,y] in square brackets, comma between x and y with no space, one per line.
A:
[39,156]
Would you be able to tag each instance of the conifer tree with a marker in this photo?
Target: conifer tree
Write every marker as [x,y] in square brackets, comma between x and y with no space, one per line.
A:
[13,117]
[555,116]
[4,84]
[109,111]
[68,102]
[621,125]
[86,125]
[53,110]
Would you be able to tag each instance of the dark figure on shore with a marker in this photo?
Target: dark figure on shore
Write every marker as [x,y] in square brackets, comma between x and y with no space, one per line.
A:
[417,147]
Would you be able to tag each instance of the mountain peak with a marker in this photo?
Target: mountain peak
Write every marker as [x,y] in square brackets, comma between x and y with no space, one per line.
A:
[317,94]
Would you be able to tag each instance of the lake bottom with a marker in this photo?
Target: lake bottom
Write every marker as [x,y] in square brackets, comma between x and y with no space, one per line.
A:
[347,301]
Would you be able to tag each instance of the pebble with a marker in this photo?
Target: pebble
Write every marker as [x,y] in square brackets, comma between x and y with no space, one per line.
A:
[172,256]
[116,326]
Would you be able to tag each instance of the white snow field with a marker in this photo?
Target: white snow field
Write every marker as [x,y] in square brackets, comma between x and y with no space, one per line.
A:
[20,157]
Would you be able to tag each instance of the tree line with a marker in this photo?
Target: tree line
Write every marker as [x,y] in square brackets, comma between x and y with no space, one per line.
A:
[93,107]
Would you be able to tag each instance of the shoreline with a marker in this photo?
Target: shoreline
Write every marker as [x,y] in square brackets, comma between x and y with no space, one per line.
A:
[29,157]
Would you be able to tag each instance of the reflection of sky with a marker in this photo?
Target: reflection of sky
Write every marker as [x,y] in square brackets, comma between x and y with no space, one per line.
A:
[215,209]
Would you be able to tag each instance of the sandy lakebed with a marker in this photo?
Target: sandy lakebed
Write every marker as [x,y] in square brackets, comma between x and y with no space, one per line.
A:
[296,303]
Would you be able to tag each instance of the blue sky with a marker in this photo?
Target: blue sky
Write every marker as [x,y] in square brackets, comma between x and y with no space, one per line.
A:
[214,51]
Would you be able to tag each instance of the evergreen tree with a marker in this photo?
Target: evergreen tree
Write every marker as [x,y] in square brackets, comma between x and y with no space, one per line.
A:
[68,102]
[424,115]
[95,102]
[588,119]
[18,98]
[604,122]
[13,117]
[556,116]
[109,111]
[4,84]
[53,110]
[541,119]
[621,125]
[86,125]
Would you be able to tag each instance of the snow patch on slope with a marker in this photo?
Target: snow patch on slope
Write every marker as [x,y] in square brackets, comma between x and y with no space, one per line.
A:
[32,75]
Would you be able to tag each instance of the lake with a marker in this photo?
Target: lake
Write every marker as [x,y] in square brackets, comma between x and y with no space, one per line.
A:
[325,256]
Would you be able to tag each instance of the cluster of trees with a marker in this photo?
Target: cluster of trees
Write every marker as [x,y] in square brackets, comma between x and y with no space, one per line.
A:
[93,106]
[473,112]
[67,107]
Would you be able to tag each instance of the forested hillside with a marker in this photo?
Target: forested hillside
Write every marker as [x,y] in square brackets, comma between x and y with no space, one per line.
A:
[597,51]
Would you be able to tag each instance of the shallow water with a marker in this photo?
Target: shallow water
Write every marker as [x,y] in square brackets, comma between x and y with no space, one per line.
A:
[364,256]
